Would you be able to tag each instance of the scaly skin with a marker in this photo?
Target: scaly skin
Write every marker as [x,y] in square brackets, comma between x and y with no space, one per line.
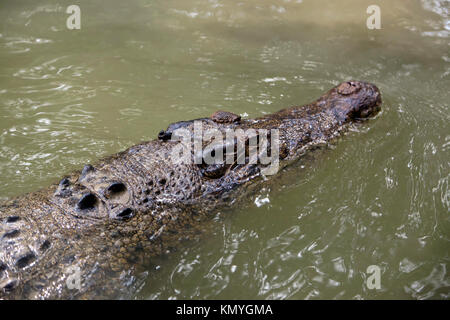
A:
[110,219]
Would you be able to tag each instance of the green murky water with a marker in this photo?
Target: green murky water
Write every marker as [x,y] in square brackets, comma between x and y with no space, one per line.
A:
[380,197]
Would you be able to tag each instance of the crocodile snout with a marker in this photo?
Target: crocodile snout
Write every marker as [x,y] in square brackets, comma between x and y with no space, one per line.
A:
[355,100]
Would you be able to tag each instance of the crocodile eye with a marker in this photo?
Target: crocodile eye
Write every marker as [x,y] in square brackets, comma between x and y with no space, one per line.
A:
[225,117]
[215,171]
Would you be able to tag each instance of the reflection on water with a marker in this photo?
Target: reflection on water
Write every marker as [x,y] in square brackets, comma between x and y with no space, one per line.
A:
[379,197]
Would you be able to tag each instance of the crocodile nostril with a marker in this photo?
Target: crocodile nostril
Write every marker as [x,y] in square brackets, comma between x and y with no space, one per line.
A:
[347,88]
[87,202]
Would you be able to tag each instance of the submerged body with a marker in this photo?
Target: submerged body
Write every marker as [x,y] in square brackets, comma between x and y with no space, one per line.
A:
[88,236]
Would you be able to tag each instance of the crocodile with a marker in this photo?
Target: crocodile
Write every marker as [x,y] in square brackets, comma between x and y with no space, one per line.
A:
[91,235]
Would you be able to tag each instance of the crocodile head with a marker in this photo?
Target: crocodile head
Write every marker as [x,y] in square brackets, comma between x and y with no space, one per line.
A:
[353,100]
[286,134]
